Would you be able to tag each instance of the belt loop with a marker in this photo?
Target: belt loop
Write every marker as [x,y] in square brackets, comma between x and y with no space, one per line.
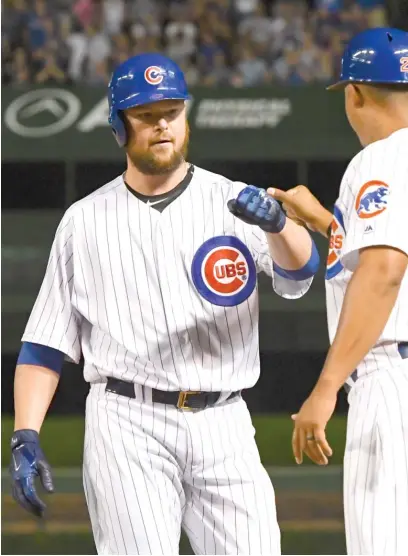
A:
[147,394]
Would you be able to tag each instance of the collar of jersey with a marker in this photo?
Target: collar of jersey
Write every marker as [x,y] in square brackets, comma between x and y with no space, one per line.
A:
[169,195]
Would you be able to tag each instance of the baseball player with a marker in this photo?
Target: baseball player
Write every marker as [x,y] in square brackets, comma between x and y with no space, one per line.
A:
[367,299]
[153,280]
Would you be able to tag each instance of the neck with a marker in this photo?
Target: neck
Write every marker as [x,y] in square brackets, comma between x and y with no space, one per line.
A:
[151,184]
[384,127]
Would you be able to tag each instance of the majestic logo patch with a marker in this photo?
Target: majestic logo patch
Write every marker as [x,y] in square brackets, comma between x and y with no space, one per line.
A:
[372,199]
[154,75]
[223,271]
[336,241]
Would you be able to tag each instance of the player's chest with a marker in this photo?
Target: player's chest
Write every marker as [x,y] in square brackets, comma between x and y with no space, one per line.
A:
[184,236]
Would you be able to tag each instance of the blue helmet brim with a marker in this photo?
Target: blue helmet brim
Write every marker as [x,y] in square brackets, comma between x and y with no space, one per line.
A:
[342,84]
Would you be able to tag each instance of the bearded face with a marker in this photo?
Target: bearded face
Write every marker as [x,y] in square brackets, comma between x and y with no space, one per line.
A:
[158,136]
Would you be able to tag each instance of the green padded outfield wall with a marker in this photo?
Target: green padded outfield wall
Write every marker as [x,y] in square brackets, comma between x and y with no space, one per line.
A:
[227,124]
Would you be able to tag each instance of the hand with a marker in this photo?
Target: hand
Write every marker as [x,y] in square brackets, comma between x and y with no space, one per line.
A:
[303,207]
[310,424]
[28,461]
[254,206]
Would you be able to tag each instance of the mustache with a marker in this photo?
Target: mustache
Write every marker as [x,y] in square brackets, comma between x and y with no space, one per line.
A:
[161,140]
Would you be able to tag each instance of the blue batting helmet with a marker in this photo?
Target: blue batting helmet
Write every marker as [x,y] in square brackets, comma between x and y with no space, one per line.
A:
[140,80]
[375,56]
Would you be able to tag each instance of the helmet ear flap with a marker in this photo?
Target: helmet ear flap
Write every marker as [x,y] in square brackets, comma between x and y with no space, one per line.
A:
[119,129]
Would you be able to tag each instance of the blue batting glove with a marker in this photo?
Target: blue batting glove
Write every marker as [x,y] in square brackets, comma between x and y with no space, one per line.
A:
[254,206]
[28,462]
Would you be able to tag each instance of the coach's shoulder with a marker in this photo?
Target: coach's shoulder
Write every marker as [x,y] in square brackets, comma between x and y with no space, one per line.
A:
[367,159]
[377,155]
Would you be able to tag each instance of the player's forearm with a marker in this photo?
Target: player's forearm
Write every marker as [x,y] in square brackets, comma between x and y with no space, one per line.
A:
[369,300]
[292,247]
[34,388]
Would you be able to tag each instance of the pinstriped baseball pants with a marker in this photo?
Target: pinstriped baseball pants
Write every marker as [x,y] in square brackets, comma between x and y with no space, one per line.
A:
[151,470]
[376,464]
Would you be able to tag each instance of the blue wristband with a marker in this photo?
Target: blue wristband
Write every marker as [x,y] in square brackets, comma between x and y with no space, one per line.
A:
[307,271]
[42,356]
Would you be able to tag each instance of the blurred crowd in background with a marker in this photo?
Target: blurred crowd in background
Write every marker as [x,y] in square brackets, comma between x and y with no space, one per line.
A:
[238,43]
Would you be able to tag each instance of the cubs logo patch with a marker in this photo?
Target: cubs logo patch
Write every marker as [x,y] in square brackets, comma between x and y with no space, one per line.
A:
[153,75]
[336,241]
[223,271]
[372,199]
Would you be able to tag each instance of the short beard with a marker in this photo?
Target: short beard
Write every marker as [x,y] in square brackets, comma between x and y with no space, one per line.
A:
[149,164]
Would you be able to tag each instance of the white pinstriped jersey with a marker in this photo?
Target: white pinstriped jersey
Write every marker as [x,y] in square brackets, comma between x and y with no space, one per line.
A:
[371,210]
[168,300]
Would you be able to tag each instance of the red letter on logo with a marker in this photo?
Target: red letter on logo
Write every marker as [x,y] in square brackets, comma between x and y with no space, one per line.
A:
[230,268]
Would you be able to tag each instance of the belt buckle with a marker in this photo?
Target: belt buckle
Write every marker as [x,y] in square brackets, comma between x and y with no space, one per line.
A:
[181,402]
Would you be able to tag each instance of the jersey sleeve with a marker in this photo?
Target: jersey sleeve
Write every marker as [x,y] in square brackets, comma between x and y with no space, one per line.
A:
[378,201]
[54,322]
[284,287]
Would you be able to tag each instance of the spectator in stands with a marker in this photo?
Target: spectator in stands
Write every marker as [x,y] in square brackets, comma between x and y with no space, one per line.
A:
[145,26]
[84,10]
[240,42]
[120,49]
[14,23]
[181,34]
[20,73]
[324,23]
[40,26]
[113,12]
[336,48]
[288,24]
[139,9]
[376,17]
[339,5]
[244,8]
[191,73]
[101,73]
[208,48]
[251,69]
[352,21]
[219,74]
[48,69]
[88,48]
[257,26]
[217,23]
[329,5]
[289,69]
[6,61]
[310,60]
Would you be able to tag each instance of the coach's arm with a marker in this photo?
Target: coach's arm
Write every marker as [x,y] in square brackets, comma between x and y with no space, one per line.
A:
[303,208]
[281,247]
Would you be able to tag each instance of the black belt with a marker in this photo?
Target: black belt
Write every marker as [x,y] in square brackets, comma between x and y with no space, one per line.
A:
[403,351]
[181,400]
